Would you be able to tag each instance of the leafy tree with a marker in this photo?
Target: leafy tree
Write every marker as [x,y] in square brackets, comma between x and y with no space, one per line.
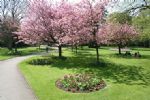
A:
[142,22]
[6,33]
[121,18]
[119,30]
[119,34]
[11,12]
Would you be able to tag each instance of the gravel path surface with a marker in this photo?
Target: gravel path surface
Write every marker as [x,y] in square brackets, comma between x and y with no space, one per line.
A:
[12,84]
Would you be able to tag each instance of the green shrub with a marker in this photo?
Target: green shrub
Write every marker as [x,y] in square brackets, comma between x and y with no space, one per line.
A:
[41,61]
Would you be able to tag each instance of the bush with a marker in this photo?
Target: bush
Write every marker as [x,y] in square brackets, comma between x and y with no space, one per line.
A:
[58,58]
[41,61]
[80,83]
[14,53]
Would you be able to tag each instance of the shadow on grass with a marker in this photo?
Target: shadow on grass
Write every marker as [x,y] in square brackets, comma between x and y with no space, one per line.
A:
[87,53]
[131,75]
[83,62]
[127,56]
[141,49]
[24,52]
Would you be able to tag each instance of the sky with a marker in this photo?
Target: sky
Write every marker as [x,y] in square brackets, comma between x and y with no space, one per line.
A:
[123,5]
[114,6]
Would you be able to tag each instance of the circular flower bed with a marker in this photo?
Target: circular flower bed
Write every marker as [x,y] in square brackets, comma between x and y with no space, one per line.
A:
[80,83]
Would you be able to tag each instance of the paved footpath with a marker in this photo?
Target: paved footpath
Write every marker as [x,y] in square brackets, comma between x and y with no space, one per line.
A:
[12,84]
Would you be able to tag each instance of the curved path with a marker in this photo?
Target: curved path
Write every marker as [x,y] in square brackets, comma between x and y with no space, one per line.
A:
[12,84]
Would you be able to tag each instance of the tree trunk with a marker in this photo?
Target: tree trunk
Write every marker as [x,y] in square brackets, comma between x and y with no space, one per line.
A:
[149,43]
[76,49]
[119,48]
[39,46]
[10,42]
[97,54]
[60,51]
[16,50]
[81,47]
[72,48]
[10,46]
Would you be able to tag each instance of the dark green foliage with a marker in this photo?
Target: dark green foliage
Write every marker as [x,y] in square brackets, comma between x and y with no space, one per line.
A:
[41,61]
[57,58]
[93,44]
[142,22]
[121,18]
[7,37]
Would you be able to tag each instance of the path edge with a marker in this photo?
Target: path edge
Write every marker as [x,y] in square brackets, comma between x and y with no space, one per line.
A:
[28,85]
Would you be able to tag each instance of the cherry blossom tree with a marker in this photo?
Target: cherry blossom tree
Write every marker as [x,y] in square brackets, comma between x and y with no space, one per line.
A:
[47,22]
[92,18]
[76,36]
[64,22]
[119,34]
[64,16]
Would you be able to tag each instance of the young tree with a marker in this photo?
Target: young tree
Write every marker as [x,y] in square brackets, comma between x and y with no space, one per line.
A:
[92,17]
[76,36]
[62,26]
[47,21]
[119,34]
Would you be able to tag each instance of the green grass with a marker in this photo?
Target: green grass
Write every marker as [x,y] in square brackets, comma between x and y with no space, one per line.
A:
[127,78]
[6,54]
[3,54]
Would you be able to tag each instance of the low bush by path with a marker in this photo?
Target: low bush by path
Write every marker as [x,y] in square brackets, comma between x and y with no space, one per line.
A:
[6,54]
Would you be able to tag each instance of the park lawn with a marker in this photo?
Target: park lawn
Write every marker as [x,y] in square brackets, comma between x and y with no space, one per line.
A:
[5,57]
[127,78]
[6,54]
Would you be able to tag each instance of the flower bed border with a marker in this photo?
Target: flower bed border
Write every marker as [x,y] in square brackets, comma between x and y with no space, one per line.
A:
[98,87]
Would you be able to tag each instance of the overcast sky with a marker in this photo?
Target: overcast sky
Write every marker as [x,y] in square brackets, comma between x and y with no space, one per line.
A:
[120,5]
[123,5]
